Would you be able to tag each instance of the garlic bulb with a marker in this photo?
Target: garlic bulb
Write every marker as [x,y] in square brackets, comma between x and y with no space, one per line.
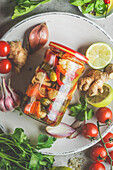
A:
[9,99]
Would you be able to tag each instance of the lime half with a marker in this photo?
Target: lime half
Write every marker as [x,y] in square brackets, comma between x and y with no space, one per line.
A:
[102,99]
[99,55]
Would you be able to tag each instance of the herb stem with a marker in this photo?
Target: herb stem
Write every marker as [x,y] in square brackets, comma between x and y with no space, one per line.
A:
[12,160]
[98,125]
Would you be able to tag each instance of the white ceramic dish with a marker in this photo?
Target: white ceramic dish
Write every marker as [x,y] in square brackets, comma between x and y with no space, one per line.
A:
[97,17]
[73,31]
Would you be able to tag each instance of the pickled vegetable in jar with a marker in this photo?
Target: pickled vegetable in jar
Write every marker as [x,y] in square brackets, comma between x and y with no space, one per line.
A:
[53,84]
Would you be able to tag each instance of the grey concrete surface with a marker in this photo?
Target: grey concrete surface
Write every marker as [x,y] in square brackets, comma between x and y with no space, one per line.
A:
[6,10]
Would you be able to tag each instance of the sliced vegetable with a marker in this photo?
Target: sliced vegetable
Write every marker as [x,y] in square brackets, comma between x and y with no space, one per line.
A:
[77,126]
[58,77]
[61,131]
[53,76]
[33,108]
[34,91]
[61,70]
[70,51]
[45,101]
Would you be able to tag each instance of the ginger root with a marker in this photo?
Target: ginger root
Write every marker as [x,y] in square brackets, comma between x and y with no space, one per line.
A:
[18,55]
[93,81]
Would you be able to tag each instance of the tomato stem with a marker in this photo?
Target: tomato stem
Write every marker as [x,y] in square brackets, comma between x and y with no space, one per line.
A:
[98,125]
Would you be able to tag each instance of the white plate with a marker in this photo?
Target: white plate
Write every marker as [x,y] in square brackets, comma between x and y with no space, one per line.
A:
[70,30]
[97,17]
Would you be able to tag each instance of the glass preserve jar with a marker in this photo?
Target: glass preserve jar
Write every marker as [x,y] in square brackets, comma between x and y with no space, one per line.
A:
[53,84]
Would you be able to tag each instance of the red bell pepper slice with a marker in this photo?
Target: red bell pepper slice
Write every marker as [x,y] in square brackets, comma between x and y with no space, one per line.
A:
[58,77]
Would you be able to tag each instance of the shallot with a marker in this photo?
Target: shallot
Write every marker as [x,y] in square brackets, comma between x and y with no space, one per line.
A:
[38,37]
[9,99]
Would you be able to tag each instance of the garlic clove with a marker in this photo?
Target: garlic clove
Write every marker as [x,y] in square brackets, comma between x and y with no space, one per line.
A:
[2,106]
[9,98]
[8,101]
[15,96]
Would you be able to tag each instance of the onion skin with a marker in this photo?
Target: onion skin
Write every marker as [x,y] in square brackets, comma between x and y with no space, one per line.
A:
[61,131]
[38,37]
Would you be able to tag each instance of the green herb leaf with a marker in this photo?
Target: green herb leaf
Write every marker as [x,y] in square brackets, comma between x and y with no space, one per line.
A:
[35,160]
[90,113]
[100,7]
[25,6]
[44,141]
[83,102]
[80,111]
[87,8]
[81,115]
[77,2]
[19,136]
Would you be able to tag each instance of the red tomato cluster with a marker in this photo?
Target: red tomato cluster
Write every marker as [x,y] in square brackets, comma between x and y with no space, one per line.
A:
[98,153]
[5,64]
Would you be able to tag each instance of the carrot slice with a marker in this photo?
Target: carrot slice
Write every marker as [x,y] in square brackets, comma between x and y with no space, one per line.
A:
[33,108]
[37,108]
[60,68]
[33,90]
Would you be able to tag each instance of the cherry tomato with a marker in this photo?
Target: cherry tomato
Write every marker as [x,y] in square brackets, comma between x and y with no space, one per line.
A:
[109,139]
[104,115]
[108,159]
[4,48]
[98,153]
[107,1]
[89,130]
[97,166]
[5,66]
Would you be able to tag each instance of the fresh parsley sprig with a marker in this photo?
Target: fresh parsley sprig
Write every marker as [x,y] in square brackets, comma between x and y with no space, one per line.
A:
[16,152]
[81,111]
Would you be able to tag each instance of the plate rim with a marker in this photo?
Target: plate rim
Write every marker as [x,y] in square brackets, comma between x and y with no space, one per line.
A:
[96,26]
